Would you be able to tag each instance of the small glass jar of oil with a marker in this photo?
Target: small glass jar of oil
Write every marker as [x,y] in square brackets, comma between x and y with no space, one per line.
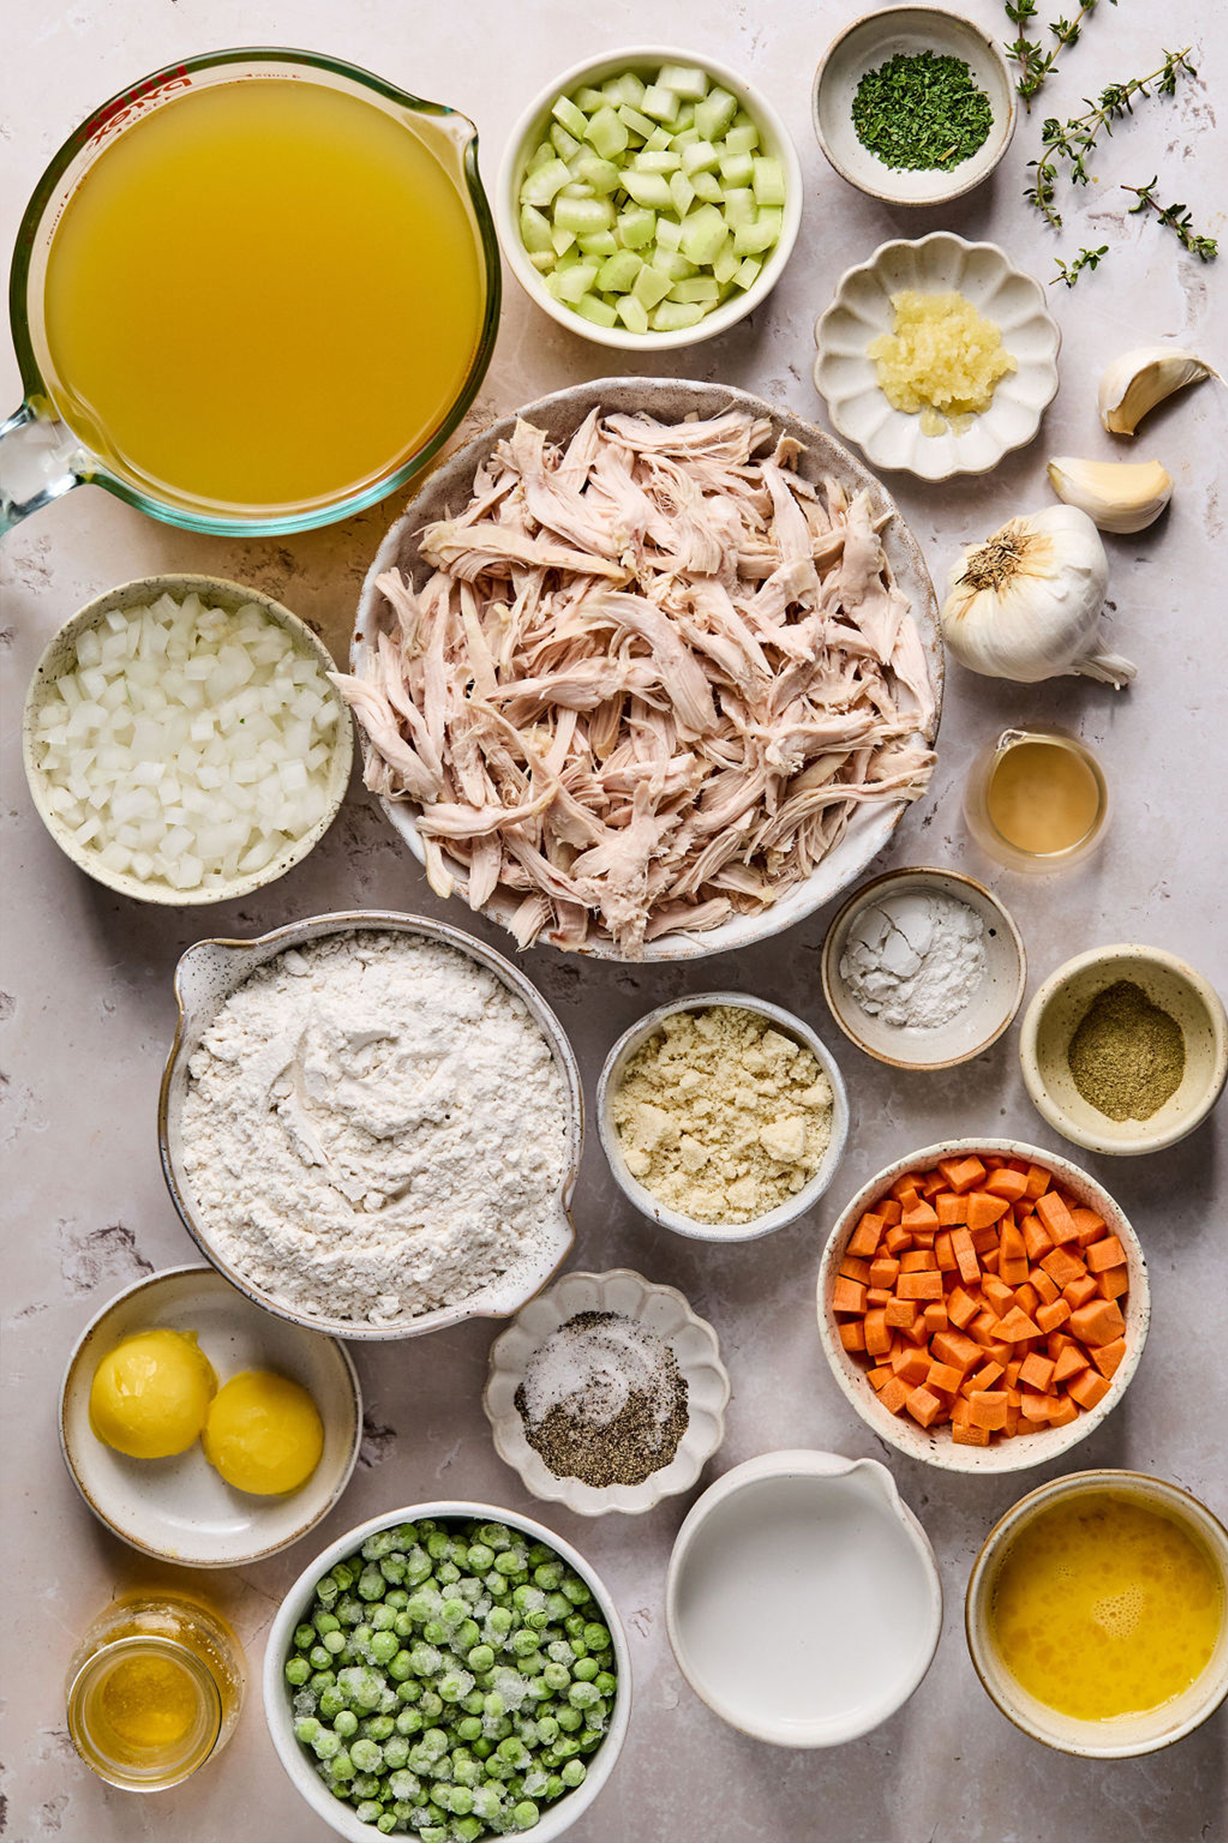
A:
[1036,800]
[154,1691]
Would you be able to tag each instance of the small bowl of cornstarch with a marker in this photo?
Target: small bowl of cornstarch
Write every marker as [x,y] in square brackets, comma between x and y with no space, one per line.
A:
[923,968]
[607,1393]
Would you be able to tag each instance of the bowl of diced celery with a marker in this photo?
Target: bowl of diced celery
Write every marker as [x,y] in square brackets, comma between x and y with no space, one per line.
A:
[448,1671]
[649,200]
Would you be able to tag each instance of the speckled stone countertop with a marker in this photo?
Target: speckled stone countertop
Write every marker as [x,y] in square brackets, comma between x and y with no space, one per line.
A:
[86,1013]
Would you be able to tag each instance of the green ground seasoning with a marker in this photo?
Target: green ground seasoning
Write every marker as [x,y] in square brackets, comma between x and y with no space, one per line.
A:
[1127,1055]
[921,111]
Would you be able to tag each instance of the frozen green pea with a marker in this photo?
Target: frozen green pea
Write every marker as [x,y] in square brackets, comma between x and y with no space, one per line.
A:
[326,1744]
[367,1754]
[481,1557]
[513,1751]
[345,1722]
[596,1636]
[430,1705]
[368,1811]
[410,1691]
[425,1659]
[381,1618]
[468,1830]
[523,1642]
[569,1718]
[400,1666]
[585,1670]
[320,1681]
[403,1626]
[307,1729]
[327,1590]
[435,1633]
[365,1786]
[547,1575]
[566,1747]
[379,1728]
[297,1670]
[573,1773]
[324,1622]
[333,1642]
[472,1704]
[511,1562]
[386,1822]
[332,1702]
[480,1658]
[557,1676]
[500,1620]
[524,1815]
[547,1729]
[469,1728]
[606,1683]
[407,1722]
[371,1585]
[384,1647]
[350,1612]
[341,1767]
[466,1635]
[577,1592]
[319,1658]
[379,1543]
[393,1568]
[483,1748]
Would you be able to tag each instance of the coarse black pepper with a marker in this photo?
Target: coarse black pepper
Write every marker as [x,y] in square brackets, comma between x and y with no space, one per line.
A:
[598,1426]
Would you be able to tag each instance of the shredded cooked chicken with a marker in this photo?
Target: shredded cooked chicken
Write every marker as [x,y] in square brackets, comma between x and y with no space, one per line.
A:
[653,674]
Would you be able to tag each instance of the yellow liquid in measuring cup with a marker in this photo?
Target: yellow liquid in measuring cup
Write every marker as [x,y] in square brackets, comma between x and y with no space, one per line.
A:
[1103,1607]
[1042,796]
[264,294]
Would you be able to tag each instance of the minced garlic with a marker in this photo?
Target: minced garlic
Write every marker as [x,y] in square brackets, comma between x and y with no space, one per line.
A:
[941,359]
[721,1116]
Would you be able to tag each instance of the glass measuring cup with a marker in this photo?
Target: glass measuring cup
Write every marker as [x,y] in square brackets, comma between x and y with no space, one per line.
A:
[1068,793]
[42,456]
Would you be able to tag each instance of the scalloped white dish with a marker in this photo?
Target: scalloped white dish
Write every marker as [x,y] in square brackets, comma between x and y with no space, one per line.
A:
[847,380]
[662,1310]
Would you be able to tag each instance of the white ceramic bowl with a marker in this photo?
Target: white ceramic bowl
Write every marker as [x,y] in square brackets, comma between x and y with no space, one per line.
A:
[1116,1737]
[803,1601]
[204,979]
[663,1311]
[935,1445]
[180,1509]
[556,1819]
[1056,1012]
[982,1021]
[670,400]
[531,129]
[861,309]
[870,42]
[218,593]
[611,1079]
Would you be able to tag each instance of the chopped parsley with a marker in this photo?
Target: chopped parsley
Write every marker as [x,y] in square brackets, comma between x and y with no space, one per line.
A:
[921,111]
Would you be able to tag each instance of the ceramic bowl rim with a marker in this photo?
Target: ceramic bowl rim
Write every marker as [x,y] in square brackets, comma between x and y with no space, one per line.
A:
[572,1493]
[849,908]
[1067,1485]
[959,20]
[730,312]
[230,594]
[651,1207]
[354,1414]
[1005,1457]
[1063,976]
[276,1704]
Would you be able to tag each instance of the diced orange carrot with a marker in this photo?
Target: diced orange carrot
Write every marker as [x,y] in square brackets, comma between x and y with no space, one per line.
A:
[984,1378]
[877,1296]
[1078,1293]
[848,1296]
[985,1241]
[853,1335]
[1007,1183]
[854,1270]
[902,1313]
[985,1328]
[1106,1253]
[1039,1181]
[951,1208]
[944,1376]
[918,1261]
[1088,1223]
[914,1369]
[967,1434]
[962,1174]
[1097,1323]
[1106,1358]
[955,1348]
[1113,1283]
[882,1271]
[1036,1238]
[1052,1211]
[935,1317]
[894,1395]
[896,1240]
[890,1210]
[995,1352]
[1011,1372]
[878,1336]
[944,1254]
[984,1210]
[864,1239]
[918,1331]
[1036,1372]
[1033,1406]
[1088,1389]
[962,1307]
[921,1216]
[927,1286]
[998,1294]
[1017,1326]
[881,1373]
[1046,1287]
[1027,1299]
[924,1406]
[1068,1363]
[1062,1267]
[908,1184]
[965,1256]
[1066,1412]
[1052,1314]
[987,1408]
[989,1259]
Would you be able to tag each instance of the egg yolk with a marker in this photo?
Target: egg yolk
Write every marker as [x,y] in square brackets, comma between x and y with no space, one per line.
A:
[151,1394]
[263,1433]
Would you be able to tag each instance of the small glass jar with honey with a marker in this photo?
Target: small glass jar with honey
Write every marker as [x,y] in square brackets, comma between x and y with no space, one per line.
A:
[1036,800]
[154,1691]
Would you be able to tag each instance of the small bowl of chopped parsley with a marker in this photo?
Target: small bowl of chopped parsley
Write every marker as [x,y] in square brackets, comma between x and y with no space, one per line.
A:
[914,105]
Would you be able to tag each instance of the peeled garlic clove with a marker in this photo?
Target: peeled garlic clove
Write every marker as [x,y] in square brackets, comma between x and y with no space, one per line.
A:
[1137,381]
[1119,496]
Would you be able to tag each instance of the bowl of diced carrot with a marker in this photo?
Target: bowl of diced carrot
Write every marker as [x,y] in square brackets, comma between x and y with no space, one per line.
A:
[983,1304]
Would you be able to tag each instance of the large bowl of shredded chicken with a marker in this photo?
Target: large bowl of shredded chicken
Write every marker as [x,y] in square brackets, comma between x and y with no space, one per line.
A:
[648,671]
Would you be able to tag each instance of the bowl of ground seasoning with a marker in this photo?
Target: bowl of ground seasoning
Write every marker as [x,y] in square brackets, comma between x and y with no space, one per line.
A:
[914,105]
[1125,1049]
[607,1393]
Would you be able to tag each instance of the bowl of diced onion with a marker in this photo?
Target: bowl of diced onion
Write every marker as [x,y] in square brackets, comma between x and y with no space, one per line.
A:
[649,199]
[182,741]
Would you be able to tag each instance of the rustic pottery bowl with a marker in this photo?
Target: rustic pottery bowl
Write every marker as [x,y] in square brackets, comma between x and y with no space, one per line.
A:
[298,1763]
[610,1081]
[218,593]
[1056,1012]
[1117,1737]
[204,979]
[870,42]
[179,1509]
[662,1310]
[935,1445]
[861,309]
[531,129]
[670,400]
[983,1020]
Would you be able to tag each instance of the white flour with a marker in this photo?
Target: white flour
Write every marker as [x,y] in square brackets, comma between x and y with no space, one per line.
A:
[914,961]
[374,1127]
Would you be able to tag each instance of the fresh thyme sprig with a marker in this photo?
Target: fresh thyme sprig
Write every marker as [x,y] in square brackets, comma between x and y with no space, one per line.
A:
[1071,142]
[1178,220]
[1070,272]
[1035,63]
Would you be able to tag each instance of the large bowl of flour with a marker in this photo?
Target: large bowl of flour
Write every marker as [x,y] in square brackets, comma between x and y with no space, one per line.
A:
[370,1123]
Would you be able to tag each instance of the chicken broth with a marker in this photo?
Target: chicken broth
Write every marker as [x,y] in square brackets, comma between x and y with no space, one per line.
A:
[1043,797]
[265,295]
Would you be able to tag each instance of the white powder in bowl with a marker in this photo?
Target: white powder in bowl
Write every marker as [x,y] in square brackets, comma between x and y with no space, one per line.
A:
[374,1127]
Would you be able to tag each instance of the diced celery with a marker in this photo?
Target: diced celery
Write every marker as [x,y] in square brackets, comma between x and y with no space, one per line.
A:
[534,229]
[637,227]
[625,89]
[672,316]
[682,193]
[740,120]
[606,133]
[673,265]
[703,235]
[714,115]
[540,187]
[650,286]
[685,120]
[708,188]
[695,288]
[742,138]
[747,272]
[584,216]
[684,137]
[541,156]
[685,80]
[575,188]
[569,117]
[698,157]
[542,260]
[602,175]
[632,313]
[739,206]
[736,169]
[652,160]
[661,104]
[658,141]
[561,240]
[565,145]
[650,189]
[569,258]
[769,182]
[754,239]
[669,233]
[617,273]
[637,123]
[588,99]
[600,243]
[576,281]
[770,217]
[725,266]
[598,311]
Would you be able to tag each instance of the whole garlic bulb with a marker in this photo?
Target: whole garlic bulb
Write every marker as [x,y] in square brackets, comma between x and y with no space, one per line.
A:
[1025,604]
